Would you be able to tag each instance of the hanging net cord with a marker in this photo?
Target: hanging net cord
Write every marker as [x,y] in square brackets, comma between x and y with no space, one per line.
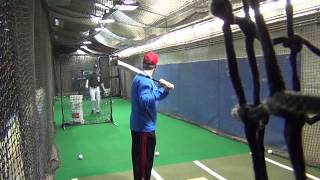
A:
[291,106]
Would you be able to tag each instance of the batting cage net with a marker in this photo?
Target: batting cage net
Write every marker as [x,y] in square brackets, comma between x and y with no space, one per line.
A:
[306,28]
[310,75]
[26,92]
[190,57]
[74,101]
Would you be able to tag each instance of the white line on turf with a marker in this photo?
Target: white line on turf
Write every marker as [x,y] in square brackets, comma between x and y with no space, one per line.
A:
[289,168]
[156,175]
[208,170]
[201,178]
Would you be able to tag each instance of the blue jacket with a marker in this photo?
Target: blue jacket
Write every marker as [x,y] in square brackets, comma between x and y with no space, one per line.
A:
[144,97]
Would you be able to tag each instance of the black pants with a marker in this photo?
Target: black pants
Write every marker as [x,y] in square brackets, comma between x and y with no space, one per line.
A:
[143,145]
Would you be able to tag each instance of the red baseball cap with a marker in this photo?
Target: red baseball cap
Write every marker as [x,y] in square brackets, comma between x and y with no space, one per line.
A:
[150,58]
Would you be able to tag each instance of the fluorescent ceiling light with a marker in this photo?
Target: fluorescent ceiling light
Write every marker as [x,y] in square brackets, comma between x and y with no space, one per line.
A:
[108,20]
[99,29]
[79,51]
[123,7]
[87,42]
[91,51]
[128,1]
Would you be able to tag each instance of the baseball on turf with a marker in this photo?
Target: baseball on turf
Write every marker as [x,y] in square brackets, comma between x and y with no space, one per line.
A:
[269,151]
[157,153]
[80,156]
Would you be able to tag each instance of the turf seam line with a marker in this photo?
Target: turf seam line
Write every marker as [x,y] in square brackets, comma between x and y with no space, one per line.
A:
[208,170]
[156,175]
[289,168]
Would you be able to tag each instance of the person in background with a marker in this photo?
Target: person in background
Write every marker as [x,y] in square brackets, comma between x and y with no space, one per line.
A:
[94,82]
[145,94]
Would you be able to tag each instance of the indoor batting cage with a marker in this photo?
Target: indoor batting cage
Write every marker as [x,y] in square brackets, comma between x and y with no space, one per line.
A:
[76,102]
[239,79]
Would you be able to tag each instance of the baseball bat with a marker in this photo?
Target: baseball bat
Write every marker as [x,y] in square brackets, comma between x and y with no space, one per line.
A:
[137,71]
[134,69]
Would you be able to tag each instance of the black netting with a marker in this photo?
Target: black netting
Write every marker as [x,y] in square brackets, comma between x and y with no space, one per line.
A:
[26,95]
[72,72]
[10,142]
[292,106]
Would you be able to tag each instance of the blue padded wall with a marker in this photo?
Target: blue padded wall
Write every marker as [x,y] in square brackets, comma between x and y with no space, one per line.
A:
[204,94]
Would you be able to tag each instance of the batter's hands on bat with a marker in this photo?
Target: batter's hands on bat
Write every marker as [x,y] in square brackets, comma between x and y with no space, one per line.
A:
[167,85]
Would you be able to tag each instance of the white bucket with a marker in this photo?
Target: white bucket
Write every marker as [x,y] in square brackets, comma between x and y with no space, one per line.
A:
[76,108]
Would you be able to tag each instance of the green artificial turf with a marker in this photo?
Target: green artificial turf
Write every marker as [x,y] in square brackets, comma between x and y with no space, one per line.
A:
[107,148]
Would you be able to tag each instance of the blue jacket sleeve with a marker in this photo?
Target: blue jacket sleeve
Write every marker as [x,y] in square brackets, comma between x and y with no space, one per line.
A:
[149,94]
[162,93]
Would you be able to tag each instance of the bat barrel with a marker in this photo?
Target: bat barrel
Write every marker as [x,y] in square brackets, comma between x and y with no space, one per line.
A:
[134,69]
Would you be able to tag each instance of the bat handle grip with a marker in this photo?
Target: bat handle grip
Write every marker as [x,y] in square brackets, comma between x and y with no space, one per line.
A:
[164,83]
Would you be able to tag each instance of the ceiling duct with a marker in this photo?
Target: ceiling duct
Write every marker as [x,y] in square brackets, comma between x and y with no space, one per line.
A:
[71,20]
